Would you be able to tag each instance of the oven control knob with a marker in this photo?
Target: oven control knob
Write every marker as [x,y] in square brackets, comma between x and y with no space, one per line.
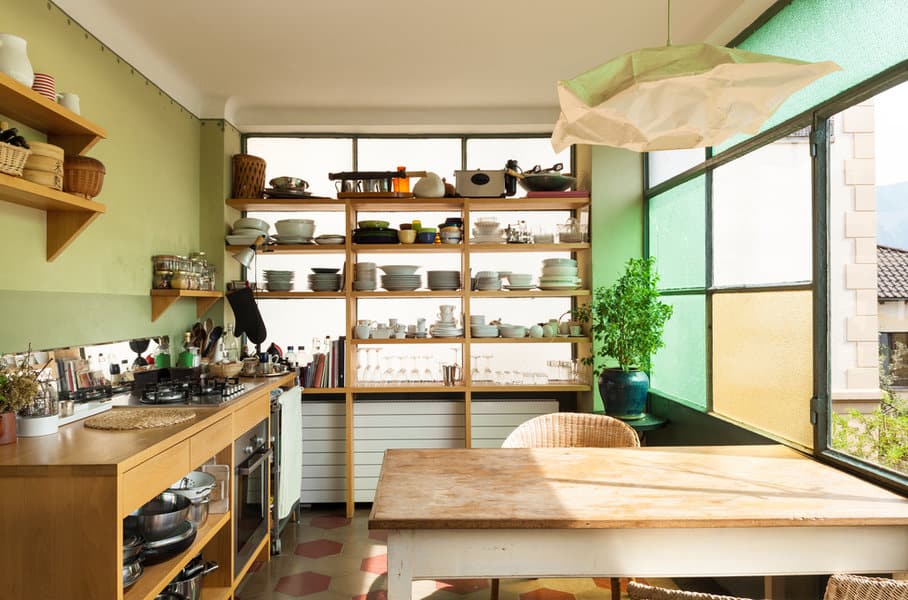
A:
[258,441]
[248,449]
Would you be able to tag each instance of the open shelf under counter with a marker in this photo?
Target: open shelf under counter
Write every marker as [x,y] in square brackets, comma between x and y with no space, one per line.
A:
[297,295]
[527,204]
[155,577]
[407,248]
[557,386]
[413,294]
[573,247]
[427,340]
[529,340]
[530,293]
[287,205]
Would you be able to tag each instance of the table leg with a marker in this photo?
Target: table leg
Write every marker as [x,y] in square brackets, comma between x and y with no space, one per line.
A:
[400,565]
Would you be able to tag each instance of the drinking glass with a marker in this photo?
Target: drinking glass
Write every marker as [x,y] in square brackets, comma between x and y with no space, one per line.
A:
[474,372]
[401,375]
[361,365]
[426,369]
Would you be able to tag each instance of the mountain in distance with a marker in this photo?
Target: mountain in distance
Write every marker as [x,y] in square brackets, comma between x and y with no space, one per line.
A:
[892,215]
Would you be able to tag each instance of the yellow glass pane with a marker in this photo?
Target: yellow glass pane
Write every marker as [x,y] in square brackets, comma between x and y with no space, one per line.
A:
[763,361]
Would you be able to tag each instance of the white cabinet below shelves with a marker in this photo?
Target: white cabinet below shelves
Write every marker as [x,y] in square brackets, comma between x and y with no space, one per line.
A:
[324,452]
[493,420]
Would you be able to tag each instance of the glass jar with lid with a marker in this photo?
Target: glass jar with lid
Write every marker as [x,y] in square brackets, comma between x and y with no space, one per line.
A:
[161,280]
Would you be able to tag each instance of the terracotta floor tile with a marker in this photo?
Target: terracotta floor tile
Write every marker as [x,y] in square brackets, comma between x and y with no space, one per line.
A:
[375,564]
[329,521]
[318,548]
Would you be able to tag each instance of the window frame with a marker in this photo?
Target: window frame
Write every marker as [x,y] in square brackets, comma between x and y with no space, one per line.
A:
[817,118]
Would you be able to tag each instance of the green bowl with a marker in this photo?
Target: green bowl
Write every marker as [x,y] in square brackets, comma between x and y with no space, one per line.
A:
[373,224]
[427,229]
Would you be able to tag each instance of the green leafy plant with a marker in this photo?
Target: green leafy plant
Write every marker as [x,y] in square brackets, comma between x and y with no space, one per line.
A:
[880,436]
[628,319]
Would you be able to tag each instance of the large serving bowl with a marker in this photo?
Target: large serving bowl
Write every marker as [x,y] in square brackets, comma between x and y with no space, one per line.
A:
[546,182]
[289,183]
[162,515]
[399,269]
[302,228]
[250,223]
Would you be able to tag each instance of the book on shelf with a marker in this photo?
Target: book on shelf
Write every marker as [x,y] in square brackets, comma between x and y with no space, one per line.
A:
[326,370]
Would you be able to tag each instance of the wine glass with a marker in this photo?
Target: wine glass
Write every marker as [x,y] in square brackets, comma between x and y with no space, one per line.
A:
[487,372]
[426,370]
[401,375]
[474,372]
[361,364]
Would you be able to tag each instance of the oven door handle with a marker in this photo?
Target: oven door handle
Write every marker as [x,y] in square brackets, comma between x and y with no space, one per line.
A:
[258,460]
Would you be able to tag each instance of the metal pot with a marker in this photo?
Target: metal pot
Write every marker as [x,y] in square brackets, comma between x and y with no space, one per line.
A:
[132,546]
[161,516]
[160,550]
[189,581]
[196,486]
[131,572]
[198,512]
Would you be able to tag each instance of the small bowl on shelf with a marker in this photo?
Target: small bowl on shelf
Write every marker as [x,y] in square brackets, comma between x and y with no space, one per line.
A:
[406,236]
[425,237]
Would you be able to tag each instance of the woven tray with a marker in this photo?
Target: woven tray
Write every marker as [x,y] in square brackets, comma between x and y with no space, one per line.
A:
[124,419]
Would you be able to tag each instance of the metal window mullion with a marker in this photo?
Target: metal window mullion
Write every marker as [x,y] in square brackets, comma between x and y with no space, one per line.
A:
[708,273]
[821,404]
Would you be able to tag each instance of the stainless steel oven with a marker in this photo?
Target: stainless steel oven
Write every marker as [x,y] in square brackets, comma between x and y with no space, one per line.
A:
[252,457]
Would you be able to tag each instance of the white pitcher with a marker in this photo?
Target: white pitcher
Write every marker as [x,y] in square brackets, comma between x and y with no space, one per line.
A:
[14,60]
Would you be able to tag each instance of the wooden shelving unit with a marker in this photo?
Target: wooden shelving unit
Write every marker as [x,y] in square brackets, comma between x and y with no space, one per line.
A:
[161,300]
[67,214]
[360,394]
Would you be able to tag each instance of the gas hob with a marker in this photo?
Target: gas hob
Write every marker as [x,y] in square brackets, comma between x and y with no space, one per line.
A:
[210,391]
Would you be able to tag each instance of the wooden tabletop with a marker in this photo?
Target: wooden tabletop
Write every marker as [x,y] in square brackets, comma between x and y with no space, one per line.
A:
[656,487]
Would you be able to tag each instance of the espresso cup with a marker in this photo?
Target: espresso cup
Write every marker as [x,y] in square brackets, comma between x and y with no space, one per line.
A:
[69,100]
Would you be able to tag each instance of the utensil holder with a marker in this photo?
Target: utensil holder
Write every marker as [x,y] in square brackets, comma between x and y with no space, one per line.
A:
[248,176]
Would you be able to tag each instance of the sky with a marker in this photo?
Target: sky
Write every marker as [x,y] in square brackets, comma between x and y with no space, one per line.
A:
[891,133]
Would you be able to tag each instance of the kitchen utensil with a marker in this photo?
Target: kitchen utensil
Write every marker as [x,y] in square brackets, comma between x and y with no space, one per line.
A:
[160,550]
[69,101]
[480,183]
[162,516]
[132,545]
[247,316]
[196,485]
[289,183]
[430,186]
[213,338]
[546,182]
[198,512]
[451,374]
[132,570]
[189,581]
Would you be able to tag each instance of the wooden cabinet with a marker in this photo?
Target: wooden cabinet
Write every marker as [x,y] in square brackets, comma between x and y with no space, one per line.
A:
[322,469]
[67,214]
[70,492]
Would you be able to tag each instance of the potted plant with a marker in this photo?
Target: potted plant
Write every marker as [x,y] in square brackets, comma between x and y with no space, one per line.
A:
[577,316]
[25,397]
[628,322]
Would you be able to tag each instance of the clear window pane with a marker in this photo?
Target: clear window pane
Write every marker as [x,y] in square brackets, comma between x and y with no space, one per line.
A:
[679,368]
[440,156]
[762,216]
[666,164]
[868,280]
[485,153]
[762,361]
[309,158]
[677,235]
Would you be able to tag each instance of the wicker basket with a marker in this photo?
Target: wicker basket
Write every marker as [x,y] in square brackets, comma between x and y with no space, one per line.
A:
[229,369]
[12,159]
[83,176]
[248,176]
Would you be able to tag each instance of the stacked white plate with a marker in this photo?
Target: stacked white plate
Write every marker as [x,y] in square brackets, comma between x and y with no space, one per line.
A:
[559,274]
[488,281]
[324,279]
[479,330]
[401,283]
[487,231]
[443,280]
[330,239]
[364,280]
[445,329]
[291,239]
[278,281]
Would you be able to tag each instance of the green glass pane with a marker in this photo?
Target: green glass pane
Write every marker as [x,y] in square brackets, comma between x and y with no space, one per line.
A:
[864,38]
[677,235]
[679,368]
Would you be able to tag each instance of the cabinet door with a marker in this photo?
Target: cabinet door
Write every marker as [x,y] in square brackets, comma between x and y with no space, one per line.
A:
[324,452]
[493,420]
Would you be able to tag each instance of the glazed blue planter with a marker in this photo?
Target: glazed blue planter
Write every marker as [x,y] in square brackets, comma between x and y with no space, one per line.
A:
[624,393]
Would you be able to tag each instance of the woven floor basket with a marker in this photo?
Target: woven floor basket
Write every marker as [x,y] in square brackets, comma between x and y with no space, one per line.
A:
[83,176]
[248,176]
[12,159]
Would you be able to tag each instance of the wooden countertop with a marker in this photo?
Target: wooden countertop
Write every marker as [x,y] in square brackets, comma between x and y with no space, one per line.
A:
[651,487]
[74,445]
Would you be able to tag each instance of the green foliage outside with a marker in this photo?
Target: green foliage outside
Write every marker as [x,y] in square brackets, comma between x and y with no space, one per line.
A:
[880,437]
[628,319]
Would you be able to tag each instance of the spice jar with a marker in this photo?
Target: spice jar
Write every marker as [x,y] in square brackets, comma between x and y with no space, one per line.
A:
[181,280]
[161,280]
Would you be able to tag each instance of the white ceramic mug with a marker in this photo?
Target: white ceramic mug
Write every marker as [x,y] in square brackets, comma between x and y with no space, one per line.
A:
[69,100]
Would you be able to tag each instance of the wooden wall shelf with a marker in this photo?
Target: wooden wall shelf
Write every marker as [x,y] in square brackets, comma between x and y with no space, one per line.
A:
[161,300]
[67,215]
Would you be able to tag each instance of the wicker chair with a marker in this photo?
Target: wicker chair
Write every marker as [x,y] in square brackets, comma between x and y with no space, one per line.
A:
[639,591]
[856,587]
[572,430]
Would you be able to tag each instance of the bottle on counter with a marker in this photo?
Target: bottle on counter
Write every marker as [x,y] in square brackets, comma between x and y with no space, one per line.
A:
[231,347]
[303,357]
[184,358]
[162,355]
[291,358]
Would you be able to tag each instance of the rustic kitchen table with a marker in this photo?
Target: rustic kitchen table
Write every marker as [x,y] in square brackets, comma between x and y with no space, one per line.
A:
[630,512]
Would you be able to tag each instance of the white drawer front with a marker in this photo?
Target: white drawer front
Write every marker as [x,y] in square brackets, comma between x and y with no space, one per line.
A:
[407,408]
[493,421]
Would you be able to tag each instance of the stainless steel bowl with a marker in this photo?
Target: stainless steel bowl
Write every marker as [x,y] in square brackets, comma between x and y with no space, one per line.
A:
[161,516]
[131,572]
[132,546]
[198,512]
[289,183]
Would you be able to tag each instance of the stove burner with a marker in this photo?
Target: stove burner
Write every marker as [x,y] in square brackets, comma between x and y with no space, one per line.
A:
[197,391]
[166,392]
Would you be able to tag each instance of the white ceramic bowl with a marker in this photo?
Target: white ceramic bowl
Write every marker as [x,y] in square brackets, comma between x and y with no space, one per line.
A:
[250,223]
[513,331]
[303,228]
[559,271]
[559,262]
[246,231]
[399,269]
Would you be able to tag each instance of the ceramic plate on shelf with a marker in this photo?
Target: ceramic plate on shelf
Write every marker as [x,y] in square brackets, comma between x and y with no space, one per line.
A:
[240,240]
[273,193]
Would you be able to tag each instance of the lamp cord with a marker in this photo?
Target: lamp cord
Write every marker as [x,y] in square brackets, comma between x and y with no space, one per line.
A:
[669,25]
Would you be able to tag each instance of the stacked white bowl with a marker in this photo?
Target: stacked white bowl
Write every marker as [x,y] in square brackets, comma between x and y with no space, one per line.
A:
[294,231]
[278,281]
[325,279]
[559,274]
[488,281]
[364,279]
[520,281]
[487,231]
[246,230]
[479,329]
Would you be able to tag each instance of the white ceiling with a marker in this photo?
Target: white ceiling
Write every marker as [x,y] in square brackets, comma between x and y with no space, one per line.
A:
[389,65]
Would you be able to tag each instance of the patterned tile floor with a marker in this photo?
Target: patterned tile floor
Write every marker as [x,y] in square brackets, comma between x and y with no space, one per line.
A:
[329,557]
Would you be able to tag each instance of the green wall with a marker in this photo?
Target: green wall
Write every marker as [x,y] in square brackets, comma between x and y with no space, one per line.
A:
[97,289]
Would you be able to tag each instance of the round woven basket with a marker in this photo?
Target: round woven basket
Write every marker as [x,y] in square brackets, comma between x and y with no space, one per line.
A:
[12,159]
[248,176]
[83,176]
